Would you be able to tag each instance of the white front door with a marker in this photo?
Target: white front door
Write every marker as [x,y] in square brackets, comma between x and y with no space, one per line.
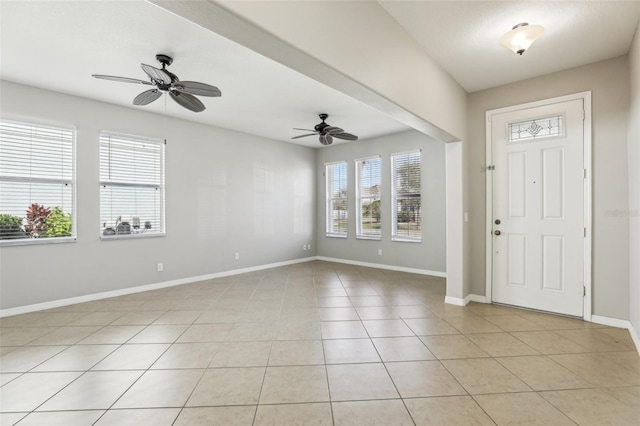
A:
[538,207]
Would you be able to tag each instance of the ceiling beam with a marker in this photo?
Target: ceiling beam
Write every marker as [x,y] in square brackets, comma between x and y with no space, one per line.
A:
[313,39]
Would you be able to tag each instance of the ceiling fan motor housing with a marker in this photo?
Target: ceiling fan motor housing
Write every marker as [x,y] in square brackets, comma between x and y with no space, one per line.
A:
[166,60]
[320,127]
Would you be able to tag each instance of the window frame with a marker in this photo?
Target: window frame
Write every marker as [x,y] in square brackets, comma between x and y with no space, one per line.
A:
[394,199]
[160,186]
[329,182]
[72,181]
[359,197]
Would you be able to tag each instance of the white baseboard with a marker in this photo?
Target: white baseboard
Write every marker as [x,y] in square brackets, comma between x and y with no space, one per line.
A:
[476,298]
[614,322]
[383,266]
[611,322]
[464,302]
[138,289]
[455,301]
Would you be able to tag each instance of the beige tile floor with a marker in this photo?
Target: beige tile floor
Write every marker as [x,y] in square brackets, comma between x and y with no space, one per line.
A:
[313,343]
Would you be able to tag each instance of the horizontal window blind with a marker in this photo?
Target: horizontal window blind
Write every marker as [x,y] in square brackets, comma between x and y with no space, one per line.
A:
[406,196]
[337,200]
[131,185]
[368,198]
[37,182]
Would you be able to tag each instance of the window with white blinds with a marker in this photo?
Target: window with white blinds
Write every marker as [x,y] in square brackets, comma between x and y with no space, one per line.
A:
[131,186]
[406,195]
[368,198]
[37,183]
[337,200]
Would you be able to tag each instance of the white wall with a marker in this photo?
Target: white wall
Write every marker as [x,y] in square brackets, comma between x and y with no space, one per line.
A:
[430,254]
[634,184]
[226,192]
[609,82]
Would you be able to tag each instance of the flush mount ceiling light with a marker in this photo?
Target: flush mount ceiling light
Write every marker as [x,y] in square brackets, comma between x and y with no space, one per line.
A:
[521,37]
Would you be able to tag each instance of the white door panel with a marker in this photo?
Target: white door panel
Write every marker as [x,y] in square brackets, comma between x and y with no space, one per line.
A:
[538,208]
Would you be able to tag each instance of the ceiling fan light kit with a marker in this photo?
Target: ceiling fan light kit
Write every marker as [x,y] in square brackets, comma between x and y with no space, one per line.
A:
[521,37]
[326,132]
[182,92]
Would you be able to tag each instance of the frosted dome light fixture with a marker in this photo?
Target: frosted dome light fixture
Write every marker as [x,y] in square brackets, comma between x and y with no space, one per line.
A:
[521,37]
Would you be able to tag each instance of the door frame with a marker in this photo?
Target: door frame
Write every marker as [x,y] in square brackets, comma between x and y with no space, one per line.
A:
[587,164]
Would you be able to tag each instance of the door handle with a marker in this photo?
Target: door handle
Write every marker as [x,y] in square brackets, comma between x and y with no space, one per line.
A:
[497,232]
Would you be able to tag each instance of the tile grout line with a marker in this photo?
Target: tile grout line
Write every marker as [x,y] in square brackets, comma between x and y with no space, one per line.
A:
[389,374]
[264,375]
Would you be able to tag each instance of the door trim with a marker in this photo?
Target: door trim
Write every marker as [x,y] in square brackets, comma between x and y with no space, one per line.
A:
[586,97]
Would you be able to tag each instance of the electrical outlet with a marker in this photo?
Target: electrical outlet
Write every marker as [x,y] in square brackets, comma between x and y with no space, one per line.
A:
[304,247]
[159,267]
[309,246]
[379,252]
[236,256]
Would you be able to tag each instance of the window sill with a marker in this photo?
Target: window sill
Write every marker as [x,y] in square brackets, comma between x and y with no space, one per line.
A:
[131,236]
[405,240]
[35,241]
[368,237]
[336,235]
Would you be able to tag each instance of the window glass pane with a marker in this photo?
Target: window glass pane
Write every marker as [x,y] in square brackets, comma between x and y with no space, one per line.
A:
[130,202]
[36,182]
[130,161]
[368,198]
[407,196]
[536,129]
[337,201]
[131,185]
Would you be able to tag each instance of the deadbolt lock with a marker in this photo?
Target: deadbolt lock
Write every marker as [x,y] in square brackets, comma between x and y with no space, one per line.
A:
[498,222]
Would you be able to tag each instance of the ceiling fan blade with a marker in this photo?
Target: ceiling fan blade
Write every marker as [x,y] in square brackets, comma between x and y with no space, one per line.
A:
[197,88]
[326,139]
[122,79]
[345,136]
[306,130]
[304,136]
[188,101]
[156,74]
[147,97]
[330,130]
